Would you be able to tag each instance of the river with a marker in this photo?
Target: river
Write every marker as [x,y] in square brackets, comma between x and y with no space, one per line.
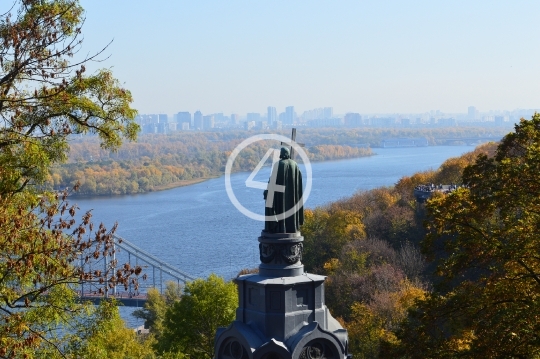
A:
[198,230]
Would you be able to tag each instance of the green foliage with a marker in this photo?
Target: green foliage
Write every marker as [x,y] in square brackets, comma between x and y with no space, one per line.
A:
[365,331]
[190,324]
[326,232]
[40,247]
[44,98]
[107,337]
[368,245]
[485,239]
[156,306]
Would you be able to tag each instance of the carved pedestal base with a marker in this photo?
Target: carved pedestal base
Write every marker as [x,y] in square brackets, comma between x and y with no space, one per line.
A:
[281,254]
[281,312]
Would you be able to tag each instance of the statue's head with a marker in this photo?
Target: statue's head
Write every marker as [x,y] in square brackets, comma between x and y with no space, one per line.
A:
[285,153]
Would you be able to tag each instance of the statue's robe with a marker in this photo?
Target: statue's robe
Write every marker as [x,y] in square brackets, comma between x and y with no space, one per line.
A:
[288,175]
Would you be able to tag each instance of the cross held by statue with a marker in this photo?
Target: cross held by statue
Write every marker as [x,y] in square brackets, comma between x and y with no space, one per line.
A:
[293,141]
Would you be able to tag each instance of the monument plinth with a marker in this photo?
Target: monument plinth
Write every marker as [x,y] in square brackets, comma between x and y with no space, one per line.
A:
[281,254]
[281,312]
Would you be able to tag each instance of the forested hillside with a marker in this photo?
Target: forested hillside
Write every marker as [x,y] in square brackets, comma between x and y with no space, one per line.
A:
[369,246]
[157,162]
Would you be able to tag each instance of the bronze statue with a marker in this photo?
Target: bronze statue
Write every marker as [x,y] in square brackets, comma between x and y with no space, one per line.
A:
[289,176]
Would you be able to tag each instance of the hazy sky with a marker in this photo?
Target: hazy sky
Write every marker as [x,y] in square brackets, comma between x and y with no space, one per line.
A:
[362,56]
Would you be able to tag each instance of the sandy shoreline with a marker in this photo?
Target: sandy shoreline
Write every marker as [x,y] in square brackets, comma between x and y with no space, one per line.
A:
[181,183]
[155,189]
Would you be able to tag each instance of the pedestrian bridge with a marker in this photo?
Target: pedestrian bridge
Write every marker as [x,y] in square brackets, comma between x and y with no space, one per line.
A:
[156,273]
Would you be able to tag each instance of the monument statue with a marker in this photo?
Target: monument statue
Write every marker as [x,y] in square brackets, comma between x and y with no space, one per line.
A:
[281,311]
[287,174]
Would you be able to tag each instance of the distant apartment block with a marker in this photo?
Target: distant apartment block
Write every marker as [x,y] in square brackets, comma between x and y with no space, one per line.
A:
[150,123]
[326,122]
[163,118]
[183,117]
[235,119]
[198,120]
[289,116]
[318,113]
[220,118]
[383,121]
[271,115]
[208,122]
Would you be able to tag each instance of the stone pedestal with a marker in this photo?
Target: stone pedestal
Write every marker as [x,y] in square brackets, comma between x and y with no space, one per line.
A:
[281,312]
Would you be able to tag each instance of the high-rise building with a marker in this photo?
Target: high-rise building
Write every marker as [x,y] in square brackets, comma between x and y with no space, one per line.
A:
[183,117]
[235,119]
[219,117]
[162,127]
[289,115]
[163,118]
[272,115]
[198,120]
[208,122]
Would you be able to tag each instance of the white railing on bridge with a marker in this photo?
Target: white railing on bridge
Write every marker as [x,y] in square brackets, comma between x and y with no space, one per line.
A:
[151,259]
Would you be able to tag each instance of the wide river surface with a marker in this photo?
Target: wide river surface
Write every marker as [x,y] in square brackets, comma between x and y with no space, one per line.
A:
[198,230]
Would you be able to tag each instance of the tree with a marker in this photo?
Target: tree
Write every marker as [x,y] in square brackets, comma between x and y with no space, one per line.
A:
[108,338]
[485,238]
[156,306]
[326,231]
[190,324]
[44,97]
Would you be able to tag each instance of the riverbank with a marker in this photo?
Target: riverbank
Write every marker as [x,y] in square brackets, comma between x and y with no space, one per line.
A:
[119,178]
[168,186]
[182,183]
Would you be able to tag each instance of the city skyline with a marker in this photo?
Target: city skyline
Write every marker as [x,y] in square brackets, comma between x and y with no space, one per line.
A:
[324,118]
[391,57]
[273,113]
